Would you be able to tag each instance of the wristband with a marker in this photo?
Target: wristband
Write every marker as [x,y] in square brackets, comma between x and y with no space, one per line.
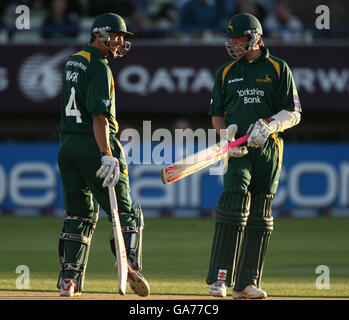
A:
[109,154]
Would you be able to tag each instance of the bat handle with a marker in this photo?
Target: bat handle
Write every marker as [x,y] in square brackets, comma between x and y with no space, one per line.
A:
[238,142]
[112,198]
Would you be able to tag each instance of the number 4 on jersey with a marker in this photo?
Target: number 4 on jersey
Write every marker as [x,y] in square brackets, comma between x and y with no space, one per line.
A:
[71,108]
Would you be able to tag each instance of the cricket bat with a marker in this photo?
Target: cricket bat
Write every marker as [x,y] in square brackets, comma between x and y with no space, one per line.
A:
[198,161]
[121,256]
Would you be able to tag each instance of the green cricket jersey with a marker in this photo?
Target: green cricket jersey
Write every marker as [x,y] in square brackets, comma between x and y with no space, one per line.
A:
[88,91]
[247,91]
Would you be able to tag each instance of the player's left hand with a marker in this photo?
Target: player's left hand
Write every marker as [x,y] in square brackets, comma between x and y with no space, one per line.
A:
[229,133]
[109,171]
[258,133]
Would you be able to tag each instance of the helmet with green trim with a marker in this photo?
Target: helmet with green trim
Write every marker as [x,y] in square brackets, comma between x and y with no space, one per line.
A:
[243,24]
[111,22]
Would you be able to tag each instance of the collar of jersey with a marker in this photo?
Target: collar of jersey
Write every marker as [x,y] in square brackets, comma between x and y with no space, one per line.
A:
[96,52]
[265,54]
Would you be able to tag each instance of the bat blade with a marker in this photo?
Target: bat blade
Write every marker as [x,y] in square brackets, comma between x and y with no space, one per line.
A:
[121,256]
[198,161]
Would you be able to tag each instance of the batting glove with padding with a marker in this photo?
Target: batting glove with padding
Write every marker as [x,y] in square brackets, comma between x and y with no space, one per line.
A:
[109,171]
[258,132]
[228,135]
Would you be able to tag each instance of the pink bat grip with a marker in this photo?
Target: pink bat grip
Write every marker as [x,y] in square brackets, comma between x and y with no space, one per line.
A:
[237,142]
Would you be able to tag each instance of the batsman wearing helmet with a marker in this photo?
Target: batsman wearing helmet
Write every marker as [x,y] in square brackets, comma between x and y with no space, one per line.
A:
[255,93]
[91,158]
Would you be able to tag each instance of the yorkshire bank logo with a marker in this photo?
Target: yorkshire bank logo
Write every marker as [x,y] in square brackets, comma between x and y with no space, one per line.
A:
[251,95]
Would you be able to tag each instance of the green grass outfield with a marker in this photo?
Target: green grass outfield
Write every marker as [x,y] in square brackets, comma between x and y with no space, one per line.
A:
[176,255]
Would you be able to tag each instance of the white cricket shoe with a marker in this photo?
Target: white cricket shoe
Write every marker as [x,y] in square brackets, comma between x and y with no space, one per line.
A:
[69,288]
[218,289]
[250,292]
[137,282]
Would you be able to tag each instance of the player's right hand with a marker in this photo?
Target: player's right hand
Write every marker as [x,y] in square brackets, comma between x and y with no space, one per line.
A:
[109,171]
[258,133]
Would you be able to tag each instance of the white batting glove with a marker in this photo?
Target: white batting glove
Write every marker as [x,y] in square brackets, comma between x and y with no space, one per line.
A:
[258,133]
[109,171]
[229,133]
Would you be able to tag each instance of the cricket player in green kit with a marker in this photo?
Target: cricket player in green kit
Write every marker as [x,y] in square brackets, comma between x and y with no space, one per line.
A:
[91,158]
[255,93]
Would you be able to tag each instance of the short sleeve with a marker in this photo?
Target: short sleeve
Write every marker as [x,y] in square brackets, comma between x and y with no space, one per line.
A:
[289,99]
[98,91]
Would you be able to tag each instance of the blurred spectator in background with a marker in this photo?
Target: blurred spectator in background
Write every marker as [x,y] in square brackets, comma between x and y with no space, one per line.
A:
[61,22]
[226,8]
[4,4]
[123,8]
[198,15]
[283,25]
[163,17]
[134,12]
[7,12]
[252,7]
[38,8]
